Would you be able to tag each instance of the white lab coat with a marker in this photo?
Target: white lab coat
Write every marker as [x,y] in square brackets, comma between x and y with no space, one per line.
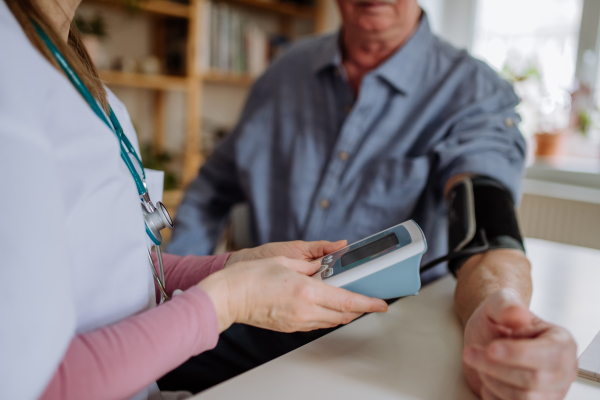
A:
[72,238]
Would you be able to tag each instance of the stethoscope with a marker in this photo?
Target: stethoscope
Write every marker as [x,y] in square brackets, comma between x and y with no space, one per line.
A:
[156,216]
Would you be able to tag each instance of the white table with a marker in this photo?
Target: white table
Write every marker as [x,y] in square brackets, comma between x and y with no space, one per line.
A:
[414,351]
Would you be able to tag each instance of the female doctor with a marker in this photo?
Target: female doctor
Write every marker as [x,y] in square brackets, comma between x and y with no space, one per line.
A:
[79,318]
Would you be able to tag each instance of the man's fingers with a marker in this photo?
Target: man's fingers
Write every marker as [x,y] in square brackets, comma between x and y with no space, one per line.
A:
[320,248]
[537,353]
[508,392]
[524,378]
[486,394]
[338,299]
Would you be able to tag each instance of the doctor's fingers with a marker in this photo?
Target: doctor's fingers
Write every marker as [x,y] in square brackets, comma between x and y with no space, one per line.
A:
[342,300]
[300,266]
[494,389]
[322,247]
[323,318]
[523,378]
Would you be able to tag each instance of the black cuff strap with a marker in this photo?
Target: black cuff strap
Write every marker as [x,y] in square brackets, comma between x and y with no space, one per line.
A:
[481,218]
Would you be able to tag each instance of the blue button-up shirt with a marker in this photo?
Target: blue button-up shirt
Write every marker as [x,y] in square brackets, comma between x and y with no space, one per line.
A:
[314,162]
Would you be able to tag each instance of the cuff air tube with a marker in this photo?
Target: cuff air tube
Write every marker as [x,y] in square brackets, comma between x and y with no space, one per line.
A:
[481,217]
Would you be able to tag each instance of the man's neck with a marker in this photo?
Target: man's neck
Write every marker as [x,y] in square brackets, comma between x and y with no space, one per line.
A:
[365,52]
[368,53]
[59,13]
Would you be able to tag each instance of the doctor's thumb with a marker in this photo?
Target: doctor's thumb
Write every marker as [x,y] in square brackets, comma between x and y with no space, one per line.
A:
[303,267]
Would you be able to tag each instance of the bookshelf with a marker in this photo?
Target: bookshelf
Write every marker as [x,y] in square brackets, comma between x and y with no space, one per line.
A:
[215,76]
[191,84]
[168,8]
[137,80]
[158,7]
[166,82]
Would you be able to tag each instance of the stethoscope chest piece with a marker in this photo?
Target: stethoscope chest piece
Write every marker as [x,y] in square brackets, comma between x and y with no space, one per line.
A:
[156,219]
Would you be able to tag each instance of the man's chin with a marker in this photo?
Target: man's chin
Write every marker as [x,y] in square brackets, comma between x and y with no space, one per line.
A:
[371,24]
[379,7]
[368,3]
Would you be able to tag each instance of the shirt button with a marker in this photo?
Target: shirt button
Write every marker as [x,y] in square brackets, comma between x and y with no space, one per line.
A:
[343,155]
[509,122]
[324,203]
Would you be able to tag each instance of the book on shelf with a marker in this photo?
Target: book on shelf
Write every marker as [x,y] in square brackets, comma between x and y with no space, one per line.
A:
[233,42]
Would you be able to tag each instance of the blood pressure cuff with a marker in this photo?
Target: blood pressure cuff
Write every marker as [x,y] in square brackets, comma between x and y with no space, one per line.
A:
[481,215]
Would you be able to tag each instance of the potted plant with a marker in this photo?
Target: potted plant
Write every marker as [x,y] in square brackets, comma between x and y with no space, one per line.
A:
[545,110]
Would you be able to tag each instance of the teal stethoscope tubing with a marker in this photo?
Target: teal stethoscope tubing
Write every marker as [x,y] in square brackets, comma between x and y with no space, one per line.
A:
[126,149]
[113,125]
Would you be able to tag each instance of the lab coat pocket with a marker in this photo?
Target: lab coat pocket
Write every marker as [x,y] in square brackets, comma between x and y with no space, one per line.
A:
[389,193]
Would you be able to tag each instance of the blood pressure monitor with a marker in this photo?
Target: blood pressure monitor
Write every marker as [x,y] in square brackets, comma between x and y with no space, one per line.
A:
[385,265]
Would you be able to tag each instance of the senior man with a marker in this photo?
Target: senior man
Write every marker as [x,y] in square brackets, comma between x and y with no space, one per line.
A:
[348,134]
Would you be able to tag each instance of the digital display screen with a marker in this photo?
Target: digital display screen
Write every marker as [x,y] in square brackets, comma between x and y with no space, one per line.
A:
[370,250]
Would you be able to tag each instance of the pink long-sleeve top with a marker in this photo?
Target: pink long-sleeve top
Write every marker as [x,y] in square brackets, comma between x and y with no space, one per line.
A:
[117,361]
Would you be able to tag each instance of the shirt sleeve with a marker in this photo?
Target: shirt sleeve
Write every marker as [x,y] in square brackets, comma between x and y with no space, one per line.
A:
[484,138]
[204,210]
[117,361]
[184,272]
[205,207]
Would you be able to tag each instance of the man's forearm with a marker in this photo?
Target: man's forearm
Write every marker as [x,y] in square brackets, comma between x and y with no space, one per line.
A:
[485,274]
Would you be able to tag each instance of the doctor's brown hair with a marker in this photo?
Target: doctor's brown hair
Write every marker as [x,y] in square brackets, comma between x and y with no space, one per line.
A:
[25,11]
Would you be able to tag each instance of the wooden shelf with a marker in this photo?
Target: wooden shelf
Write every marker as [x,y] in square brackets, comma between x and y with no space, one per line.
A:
[159,7]
[172,9]
[163,7]
[278,7]
[228,78]
[160,82]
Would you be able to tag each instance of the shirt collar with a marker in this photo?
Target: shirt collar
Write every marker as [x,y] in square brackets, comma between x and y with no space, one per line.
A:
[329,55]
[400,70]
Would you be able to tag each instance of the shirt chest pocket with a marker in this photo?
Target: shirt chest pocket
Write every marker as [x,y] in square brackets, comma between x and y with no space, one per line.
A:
[389,192]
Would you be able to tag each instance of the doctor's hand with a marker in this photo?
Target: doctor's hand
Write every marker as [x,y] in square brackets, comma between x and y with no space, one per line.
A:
[511,354]
[299,250]
[277,293]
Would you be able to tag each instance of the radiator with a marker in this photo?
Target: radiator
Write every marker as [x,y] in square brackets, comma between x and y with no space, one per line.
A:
[561,213]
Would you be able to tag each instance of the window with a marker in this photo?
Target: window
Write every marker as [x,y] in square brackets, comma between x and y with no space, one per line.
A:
[534,40]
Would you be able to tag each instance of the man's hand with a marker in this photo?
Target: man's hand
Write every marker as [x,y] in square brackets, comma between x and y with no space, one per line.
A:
[298,250]
[511,354]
